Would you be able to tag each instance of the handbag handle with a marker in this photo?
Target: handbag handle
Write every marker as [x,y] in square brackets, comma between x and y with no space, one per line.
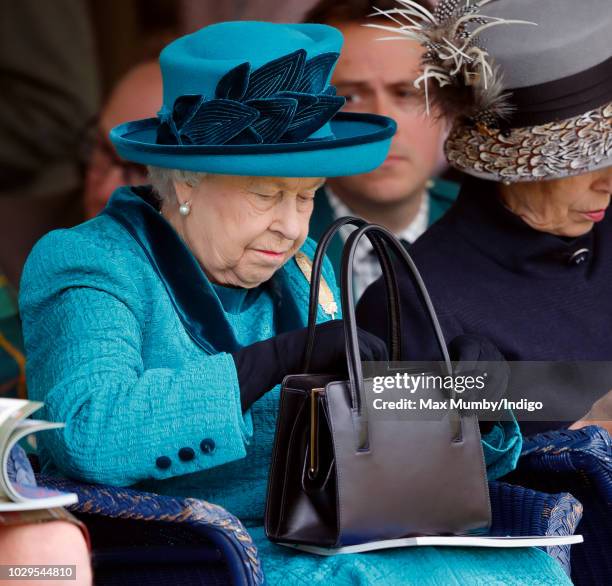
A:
[393,306]
[355,371]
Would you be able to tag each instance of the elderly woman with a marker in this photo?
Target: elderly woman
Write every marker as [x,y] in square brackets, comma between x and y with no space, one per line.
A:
[525,256]
[160,330]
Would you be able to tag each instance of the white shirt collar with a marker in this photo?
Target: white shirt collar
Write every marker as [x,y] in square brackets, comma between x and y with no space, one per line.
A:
[366,268]
[410,233]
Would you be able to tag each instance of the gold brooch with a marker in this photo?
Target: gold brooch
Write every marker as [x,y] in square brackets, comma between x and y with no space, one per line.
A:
[326,297]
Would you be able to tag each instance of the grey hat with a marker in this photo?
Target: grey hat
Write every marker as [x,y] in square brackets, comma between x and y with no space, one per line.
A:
[528,83]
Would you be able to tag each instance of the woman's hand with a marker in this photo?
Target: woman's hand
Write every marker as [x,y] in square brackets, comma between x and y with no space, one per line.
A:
[263,365]
[600,414]
[329,349]
[475,355]
[607,425]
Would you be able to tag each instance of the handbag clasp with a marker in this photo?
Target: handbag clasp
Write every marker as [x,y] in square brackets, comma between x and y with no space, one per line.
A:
[314,421]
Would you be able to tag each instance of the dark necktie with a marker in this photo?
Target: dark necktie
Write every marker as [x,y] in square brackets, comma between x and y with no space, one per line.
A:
[404,243]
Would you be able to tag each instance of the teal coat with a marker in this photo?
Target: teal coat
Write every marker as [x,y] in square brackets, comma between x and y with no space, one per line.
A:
[128,342]
[441,197]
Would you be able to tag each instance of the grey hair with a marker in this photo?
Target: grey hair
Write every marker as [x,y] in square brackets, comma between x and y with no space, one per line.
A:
[163,179]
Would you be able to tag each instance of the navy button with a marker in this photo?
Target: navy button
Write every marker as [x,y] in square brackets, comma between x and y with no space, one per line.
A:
[207,446]
[579,257]
[186,454]
[163,462]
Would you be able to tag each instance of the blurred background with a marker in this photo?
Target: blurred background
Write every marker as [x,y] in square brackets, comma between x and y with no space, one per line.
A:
[129,31]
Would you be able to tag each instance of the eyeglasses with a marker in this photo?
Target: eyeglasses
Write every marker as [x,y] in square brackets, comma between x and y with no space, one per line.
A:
[104,157]
[98,154]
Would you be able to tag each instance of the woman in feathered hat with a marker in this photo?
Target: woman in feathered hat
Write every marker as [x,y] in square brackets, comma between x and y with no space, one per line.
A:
[525,256]
[160,330]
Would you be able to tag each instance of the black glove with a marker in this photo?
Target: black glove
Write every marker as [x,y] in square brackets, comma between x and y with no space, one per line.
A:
[263,365]
[474,355]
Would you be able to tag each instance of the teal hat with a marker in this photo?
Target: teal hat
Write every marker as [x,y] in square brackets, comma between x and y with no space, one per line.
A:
[254,98]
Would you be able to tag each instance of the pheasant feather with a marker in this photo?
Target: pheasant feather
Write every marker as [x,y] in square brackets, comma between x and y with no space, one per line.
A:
[466,81]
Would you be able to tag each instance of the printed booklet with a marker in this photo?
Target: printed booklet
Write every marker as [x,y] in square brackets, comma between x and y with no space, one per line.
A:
[16,496]
[450,541]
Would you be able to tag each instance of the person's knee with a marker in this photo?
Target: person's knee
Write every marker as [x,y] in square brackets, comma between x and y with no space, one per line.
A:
[57,543]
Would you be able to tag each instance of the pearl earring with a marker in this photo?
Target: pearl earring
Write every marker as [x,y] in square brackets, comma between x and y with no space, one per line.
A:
[185,208]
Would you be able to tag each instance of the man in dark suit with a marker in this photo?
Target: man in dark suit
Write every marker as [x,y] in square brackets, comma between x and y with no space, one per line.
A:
[377,76]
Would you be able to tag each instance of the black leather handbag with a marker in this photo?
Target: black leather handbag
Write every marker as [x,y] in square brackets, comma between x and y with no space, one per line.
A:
[340,478]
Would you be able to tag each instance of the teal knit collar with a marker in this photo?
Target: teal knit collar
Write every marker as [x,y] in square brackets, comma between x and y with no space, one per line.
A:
[194,299]
[235,300]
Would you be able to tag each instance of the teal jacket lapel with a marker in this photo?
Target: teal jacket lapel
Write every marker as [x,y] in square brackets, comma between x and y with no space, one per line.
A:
[192,295]
[441,197]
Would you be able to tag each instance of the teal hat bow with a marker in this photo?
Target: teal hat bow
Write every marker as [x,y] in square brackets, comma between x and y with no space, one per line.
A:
[254,98]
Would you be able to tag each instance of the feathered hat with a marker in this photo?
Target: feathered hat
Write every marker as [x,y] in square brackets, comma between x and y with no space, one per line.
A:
[254,98]
[527,83]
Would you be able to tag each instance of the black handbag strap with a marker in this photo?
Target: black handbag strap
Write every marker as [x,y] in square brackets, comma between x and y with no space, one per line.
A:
[350,324]
[390,279]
